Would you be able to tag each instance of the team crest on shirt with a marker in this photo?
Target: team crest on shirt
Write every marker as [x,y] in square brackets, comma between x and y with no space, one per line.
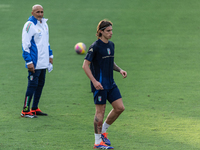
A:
[108,50]
[99,98]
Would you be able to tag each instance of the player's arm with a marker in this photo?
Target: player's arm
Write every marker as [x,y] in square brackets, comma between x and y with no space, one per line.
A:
[27,34]
[88,72]
[50,50]
[118,69]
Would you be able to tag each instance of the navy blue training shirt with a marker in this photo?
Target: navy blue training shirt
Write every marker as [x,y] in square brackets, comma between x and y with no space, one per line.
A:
[101,56]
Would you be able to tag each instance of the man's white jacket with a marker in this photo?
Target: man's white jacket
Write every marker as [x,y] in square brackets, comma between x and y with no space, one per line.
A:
[35,43]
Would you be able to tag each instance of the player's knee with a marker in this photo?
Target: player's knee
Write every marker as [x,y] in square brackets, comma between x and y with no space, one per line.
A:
[100,113]
[32,86]
[100,110]
[120,109]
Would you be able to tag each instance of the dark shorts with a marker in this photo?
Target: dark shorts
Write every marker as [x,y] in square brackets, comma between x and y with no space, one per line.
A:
[111,95]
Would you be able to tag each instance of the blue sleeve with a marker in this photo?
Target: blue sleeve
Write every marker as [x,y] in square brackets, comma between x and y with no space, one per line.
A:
[50,51]
[26,56]
[91,53]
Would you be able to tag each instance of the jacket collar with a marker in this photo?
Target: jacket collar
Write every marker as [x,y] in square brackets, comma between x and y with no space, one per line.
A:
[34,20]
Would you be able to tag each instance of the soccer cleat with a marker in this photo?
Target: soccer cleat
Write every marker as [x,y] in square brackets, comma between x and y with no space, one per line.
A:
[38,112]
[105,139]
[102,145]
[28,114]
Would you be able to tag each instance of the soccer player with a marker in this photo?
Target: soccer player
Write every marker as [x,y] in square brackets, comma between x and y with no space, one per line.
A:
[98,66]
[38,57]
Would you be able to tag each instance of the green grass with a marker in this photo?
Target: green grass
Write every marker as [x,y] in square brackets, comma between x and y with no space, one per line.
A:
[157,43]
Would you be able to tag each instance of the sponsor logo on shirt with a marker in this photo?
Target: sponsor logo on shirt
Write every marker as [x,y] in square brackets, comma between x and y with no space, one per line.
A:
[91,50]
[107,57]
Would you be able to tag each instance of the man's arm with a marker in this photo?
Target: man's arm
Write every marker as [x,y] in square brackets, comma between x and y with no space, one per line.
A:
[118,69]
[88,72]
[27,34]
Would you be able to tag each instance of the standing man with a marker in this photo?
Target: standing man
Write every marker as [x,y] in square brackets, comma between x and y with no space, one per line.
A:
[38,56]
[98,66]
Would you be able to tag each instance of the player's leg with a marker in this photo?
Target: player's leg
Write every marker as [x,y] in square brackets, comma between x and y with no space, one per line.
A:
[114,97]
[32,85]
[118,108]
[98,121]
[100,105]
[38,93]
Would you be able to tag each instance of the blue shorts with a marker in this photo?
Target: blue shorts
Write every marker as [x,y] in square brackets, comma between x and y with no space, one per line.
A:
[111,95]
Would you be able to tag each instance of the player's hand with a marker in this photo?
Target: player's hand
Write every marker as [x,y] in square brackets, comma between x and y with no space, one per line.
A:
[123,73]
[51,60]
[31,68]
[98,85]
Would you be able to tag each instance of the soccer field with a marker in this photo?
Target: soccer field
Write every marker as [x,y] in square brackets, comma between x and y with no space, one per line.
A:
[156,42]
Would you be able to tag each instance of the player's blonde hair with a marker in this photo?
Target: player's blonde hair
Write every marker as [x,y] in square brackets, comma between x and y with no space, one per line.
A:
[101,27]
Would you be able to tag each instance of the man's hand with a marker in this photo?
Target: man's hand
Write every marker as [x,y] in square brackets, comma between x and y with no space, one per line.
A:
[123,73]
[98,85]
[31,68]
[51,60]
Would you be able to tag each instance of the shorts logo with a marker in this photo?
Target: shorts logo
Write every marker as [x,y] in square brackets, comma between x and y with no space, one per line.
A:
[31,78]
[99,98]
[108,50]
